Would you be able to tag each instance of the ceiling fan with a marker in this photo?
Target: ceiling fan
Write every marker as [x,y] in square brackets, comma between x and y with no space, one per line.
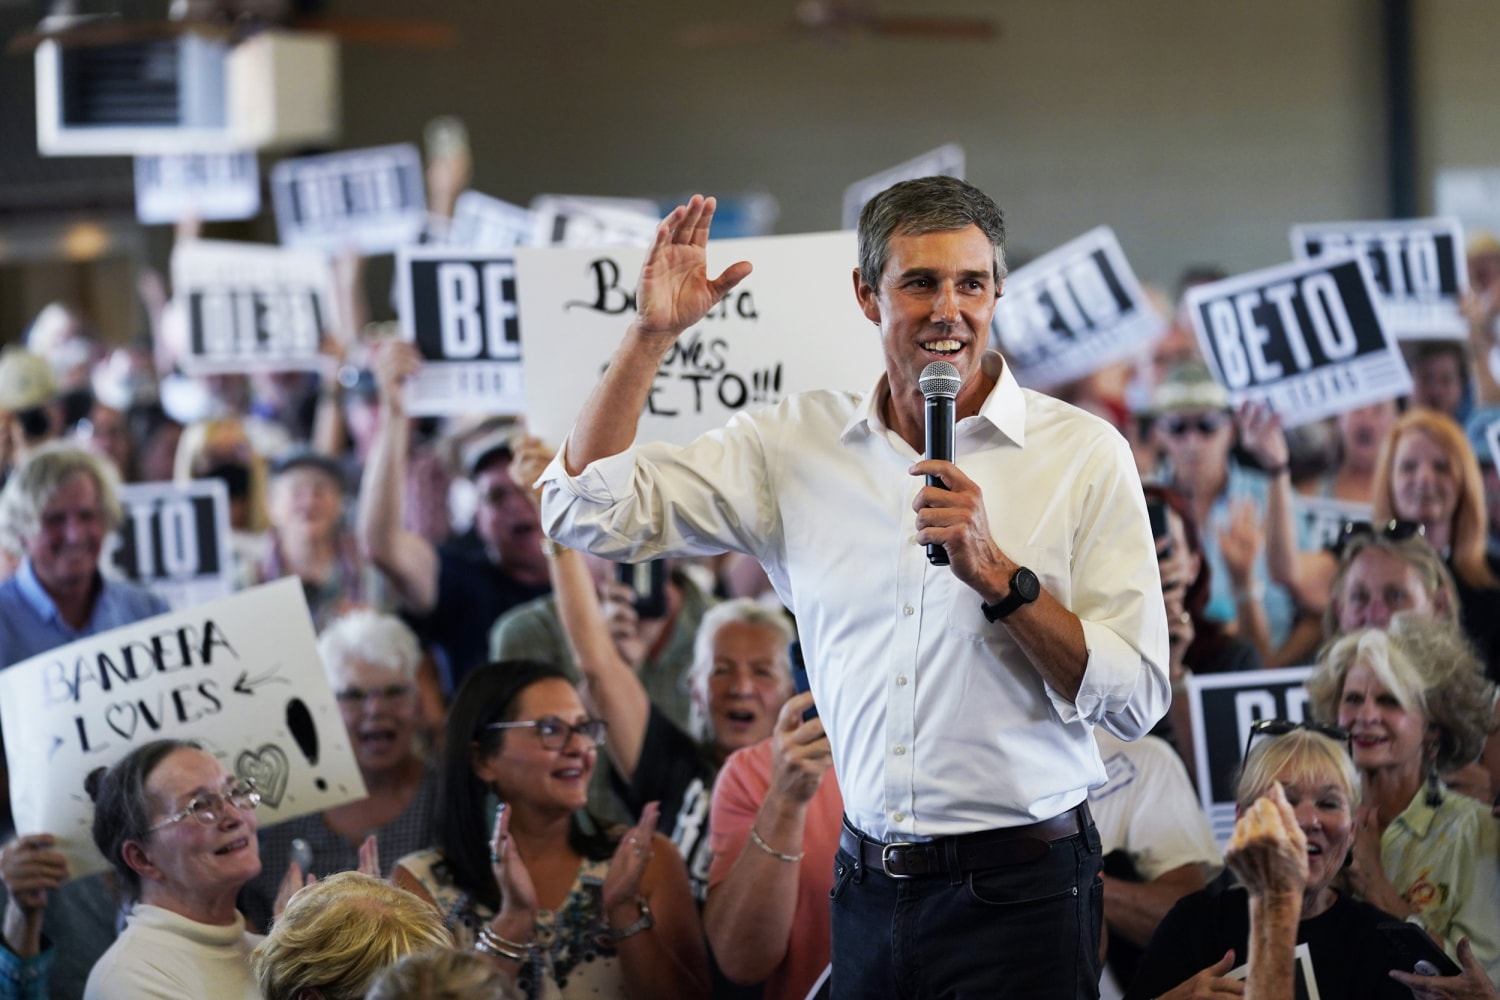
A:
[229,20]
[839,22]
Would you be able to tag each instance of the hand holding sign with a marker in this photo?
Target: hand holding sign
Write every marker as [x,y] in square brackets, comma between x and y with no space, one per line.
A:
[675,290]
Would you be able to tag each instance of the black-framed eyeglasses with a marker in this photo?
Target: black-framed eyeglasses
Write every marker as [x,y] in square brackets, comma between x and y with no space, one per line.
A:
[208,808]
[357,695]
[554,733]
[1205,424]
[1280,727]
[1396,530]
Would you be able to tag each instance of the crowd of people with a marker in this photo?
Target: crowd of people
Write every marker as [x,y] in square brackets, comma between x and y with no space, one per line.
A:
[578,789]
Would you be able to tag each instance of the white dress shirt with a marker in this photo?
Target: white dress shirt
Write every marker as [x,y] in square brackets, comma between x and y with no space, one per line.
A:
[939,724]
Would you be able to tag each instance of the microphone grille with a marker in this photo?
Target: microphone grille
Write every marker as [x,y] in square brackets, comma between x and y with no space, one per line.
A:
[939,379]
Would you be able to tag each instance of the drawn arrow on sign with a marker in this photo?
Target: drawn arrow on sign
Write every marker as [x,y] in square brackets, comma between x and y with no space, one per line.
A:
[247,684]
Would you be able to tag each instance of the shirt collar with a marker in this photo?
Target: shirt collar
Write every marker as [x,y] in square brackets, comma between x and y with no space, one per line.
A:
[1004,407]
[1419,815]
[35,596]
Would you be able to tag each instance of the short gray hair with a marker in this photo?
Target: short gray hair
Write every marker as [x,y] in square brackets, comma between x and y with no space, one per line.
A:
[33,485]
[740,609]
[378,639]
[925,205]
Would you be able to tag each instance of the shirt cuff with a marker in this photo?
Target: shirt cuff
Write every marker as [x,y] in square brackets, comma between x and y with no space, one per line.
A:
[1112,681]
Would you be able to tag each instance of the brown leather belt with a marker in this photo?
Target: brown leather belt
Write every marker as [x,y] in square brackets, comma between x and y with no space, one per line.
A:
[1012,845]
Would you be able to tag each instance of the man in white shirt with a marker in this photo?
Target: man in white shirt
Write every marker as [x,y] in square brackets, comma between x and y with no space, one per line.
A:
[959,699]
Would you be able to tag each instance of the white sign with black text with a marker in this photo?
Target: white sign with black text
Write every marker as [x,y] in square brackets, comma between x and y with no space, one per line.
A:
[371,199]
[252,307]
[580,221]
[790,326]
[459,308]
[1305,338]
[1418,265]
[240,675]
[1222,708]
[1470,194]
[1072,311]
[945,161]
[210,187]
[175,540]
[1321,520]
[486,223]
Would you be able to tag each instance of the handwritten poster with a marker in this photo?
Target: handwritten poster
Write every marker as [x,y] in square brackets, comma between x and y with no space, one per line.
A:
[241,676]
[792,325]
[1305,338]
[945,161]
[1418,266]
[253,307]
[459,307]
[373,199]
[1072,311]
[174,540]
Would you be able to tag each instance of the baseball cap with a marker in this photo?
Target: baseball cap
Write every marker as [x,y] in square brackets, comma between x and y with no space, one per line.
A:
[26,380]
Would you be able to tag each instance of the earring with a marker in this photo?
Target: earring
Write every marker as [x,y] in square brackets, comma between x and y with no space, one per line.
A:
[1434,787]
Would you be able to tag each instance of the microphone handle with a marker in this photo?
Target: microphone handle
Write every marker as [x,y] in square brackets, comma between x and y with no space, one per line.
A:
[939,446]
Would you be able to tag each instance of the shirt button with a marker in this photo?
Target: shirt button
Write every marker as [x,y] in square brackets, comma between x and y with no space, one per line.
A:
[908,610]
[901,681]
[912,539]
[900,750]
[899,817]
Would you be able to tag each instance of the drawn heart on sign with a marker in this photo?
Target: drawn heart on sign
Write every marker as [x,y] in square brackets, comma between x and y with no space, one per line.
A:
[268,767]
[127,719]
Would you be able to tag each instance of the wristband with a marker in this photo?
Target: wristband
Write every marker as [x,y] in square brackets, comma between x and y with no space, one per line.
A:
[494,944]
[643,923]
[790,859]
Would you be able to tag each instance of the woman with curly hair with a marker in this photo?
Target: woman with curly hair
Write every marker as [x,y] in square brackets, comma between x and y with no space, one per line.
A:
[1416,704]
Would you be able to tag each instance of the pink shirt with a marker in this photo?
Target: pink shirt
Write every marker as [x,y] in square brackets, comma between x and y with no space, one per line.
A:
[738,793]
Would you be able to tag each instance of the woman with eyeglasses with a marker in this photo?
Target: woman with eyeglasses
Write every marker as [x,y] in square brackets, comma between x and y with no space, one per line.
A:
[180,832]
[1417,705]
[371,661]
[1206,936]
[568,909]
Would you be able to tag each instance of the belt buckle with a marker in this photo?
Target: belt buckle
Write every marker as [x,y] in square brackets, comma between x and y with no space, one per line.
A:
[885,857]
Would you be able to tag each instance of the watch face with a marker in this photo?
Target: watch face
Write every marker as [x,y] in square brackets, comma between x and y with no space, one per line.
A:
[1027,585]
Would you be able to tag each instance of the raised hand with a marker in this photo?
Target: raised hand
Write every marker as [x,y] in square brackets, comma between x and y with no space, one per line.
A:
[800,755]
[674,290]
[293,880]
[530,458]
[369,857]
[1268,850]
[394,361]
[517,891]
[623,883]
[1261,434]
[1209,983]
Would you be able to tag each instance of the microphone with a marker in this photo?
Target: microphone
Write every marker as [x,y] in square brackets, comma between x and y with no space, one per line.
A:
[939,384]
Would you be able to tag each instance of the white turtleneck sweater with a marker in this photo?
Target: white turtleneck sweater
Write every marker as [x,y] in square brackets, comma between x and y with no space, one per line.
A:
[165,955]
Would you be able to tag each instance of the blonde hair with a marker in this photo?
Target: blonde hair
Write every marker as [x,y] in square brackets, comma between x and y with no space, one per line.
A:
[192,446]
[1470,524]
[1428,667]
[337,935]
[1302,756]
[1415,552]
[442,975]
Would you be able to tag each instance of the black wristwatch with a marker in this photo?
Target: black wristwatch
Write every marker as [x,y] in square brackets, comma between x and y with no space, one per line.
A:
[1024,588]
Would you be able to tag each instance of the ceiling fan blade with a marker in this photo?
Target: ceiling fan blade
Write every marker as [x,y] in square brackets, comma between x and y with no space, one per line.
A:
[408,32]
[955,29]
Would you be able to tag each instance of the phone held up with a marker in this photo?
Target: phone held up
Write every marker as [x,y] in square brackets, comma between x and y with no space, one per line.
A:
[1156,512]
[1415,951]
[648,582]
[799,676]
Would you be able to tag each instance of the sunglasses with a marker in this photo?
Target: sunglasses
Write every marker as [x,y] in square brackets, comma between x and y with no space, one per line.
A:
[1205,424]
[208,808]
[554,733]
[1280,727]
[1394,530]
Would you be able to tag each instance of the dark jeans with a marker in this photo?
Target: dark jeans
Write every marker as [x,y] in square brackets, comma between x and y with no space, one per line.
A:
[1027,931]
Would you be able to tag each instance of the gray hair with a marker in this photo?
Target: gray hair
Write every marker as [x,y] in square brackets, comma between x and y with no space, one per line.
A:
[1428,666]
[122,806]
[740,609]
[925,205]
[378,639]
[442,975]
[33,485]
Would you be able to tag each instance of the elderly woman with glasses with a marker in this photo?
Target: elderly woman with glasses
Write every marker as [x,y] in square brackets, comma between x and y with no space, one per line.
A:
[1417,705]
[567,909]
[180,832]
[371,661]
[1206,937]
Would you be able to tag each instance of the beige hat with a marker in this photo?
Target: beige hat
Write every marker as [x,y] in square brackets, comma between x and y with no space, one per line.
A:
[1189,387]
[25,380]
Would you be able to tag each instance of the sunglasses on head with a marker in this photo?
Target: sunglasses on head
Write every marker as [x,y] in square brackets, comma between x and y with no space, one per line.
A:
[1395,530]
[1204,423]
[1280,727]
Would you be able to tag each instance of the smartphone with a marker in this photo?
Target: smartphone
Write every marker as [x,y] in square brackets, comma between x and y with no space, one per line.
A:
[1156,513]
[648,582]
[799,675]
[1415,951]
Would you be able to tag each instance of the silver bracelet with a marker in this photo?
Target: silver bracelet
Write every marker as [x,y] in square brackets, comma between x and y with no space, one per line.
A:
[790,859]
[642,923]
[494,944]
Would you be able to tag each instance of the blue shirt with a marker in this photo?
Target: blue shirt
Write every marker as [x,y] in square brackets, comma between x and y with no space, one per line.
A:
[30,623]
